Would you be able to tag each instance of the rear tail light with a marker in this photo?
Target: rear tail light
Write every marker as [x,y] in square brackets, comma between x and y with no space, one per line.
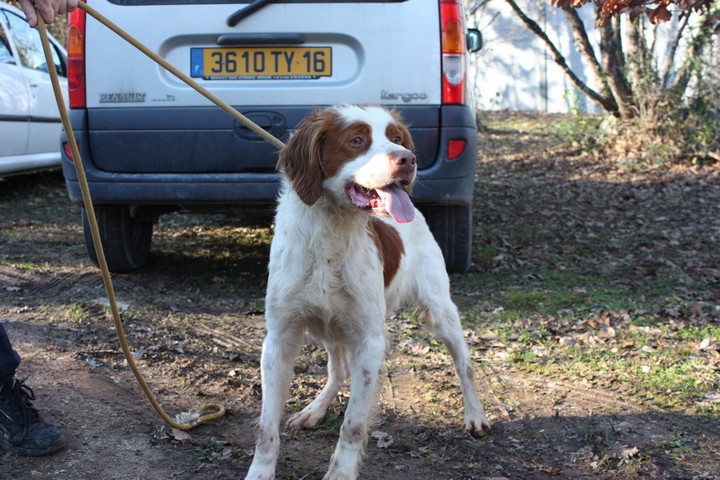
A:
[68,151]
[454,71]
[76,59]
[456,147]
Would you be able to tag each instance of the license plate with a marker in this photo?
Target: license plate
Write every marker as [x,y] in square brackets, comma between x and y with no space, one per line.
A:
[251,63]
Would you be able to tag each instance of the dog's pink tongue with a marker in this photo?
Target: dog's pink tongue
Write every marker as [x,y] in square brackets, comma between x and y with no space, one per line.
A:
[397,203]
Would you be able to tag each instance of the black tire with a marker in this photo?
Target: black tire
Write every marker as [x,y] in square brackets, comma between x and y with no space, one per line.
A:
[126,240]
[451,226]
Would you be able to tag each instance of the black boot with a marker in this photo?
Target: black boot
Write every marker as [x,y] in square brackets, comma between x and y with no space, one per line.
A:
[22,431]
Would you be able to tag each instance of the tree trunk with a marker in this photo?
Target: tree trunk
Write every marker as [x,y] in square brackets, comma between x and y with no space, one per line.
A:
[586,50]
[670,58]
[611,54]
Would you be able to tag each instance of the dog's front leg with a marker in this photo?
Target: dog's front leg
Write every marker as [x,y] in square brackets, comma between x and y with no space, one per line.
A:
[280,348]
[367,358]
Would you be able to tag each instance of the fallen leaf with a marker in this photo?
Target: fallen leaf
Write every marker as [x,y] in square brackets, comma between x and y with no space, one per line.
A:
[180,435]
[606,332]
[713,397]
[625,453]
[628,453]
[420,350]
[383,439]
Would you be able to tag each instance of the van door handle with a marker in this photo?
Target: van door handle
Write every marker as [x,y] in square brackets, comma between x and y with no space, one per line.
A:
[261,39]
[271,122]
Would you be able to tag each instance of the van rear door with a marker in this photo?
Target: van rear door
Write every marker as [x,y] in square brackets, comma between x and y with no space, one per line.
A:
[273,65]
[383,52]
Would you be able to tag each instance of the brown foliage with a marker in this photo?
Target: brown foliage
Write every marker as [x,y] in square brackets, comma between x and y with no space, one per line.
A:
[657,11]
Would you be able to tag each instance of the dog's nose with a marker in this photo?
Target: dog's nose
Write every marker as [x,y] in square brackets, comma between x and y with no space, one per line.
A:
[402,158]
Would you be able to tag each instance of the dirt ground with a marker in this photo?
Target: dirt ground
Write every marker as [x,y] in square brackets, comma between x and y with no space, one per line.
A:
[194,321]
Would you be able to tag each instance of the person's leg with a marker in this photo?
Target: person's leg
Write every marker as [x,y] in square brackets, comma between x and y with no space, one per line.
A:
[22,431]
[9,359]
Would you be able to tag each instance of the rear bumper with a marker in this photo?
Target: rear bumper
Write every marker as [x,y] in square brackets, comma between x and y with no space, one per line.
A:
[440,182]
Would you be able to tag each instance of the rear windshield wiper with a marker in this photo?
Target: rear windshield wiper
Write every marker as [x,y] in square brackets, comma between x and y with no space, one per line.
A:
[246,11]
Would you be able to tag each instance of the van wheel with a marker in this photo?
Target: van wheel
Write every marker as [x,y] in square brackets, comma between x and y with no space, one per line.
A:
[451,226]
[125,239]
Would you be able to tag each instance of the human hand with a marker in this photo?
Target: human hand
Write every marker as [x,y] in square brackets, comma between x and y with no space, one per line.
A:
[48,9]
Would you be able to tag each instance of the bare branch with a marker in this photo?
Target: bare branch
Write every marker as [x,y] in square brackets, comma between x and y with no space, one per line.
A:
[582,41]
[477,5]
[606,104]
[695,50]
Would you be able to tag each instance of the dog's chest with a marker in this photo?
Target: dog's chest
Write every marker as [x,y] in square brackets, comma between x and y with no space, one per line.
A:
[342,266]
[326,269]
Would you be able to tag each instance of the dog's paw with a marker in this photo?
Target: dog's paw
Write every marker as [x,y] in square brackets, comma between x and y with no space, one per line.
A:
[477,427]
[256,477]
[256,474]
[308,418]
[330,476]
[338,474]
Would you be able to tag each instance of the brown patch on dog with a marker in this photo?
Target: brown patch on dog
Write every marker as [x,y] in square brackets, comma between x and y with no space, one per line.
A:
[398,129]
[322,144]
[339,147]
[300,160]
[366,376]
[390,247]
[267,442]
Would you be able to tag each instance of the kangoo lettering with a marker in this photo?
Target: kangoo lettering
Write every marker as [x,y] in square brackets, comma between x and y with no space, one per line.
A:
[405,97]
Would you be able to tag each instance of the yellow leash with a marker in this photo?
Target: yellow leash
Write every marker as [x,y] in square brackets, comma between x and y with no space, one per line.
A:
[184,421]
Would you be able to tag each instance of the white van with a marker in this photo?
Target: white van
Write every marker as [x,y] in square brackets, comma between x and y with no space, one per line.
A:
[151,144]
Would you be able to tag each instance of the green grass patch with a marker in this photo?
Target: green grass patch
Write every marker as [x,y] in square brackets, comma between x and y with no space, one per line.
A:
[75,313]
[25,265]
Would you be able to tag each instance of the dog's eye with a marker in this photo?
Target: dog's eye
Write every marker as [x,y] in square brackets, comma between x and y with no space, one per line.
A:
[357,141]
[397,139]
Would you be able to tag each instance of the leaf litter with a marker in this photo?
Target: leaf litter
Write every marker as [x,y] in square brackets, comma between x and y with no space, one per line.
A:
[585,275]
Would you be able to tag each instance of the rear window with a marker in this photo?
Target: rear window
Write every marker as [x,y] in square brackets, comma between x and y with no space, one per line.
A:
[29,47]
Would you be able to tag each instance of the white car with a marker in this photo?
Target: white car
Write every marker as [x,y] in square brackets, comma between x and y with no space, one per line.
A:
[151,145]
[29,118]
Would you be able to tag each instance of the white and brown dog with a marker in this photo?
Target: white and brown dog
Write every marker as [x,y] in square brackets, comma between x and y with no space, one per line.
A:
[349,248]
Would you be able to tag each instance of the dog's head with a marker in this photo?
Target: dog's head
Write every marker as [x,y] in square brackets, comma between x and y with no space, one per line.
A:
[361,156]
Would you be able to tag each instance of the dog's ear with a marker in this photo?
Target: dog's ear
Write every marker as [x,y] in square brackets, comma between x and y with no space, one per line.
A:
[301,159]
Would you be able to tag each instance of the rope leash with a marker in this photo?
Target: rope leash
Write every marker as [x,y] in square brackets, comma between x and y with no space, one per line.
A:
[185,420]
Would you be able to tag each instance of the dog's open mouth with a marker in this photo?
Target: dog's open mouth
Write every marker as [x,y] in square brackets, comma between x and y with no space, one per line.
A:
[390,200]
